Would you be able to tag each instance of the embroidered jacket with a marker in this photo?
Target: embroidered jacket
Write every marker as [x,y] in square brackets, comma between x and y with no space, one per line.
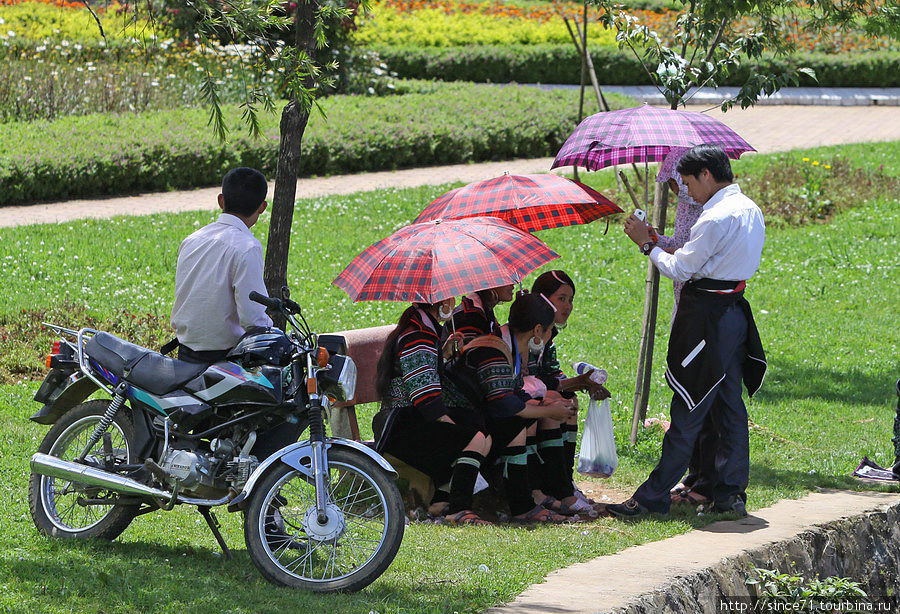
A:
[417,382]
[499,382]
[472,320]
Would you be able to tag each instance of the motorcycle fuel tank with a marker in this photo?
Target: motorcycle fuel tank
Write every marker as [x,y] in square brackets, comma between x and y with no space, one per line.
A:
[227,382]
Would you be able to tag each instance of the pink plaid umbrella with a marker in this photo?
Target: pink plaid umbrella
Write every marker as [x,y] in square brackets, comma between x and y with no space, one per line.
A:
[431,261]
[643,134]
[531,202]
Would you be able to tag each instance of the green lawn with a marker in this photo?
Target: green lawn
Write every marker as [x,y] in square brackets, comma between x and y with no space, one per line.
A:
[825,298]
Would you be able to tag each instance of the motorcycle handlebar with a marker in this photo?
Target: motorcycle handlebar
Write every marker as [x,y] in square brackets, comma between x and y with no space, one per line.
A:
[273,303]
[284,305]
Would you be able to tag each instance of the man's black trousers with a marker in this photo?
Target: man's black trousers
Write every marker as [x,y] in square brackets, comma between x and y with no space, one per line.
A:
[729,415]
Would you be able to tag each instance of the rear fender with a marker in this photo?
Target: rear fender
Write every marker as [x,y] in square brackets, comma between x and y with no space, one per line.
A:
[60,393]
[299,457]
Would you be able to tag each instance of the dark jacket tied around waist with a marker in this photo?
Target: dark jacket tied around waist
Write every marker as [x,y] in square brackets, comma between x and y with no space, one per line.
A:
[693,366]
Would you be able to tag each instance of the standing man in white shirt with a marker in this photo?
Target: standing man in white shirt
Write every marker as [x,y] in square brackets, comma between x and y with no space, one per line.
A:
[714,344]
[218,267]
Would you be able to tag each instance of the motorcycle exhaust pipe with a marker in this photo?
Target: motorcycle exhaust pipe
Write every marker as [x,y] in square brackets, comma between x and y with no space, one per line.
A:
[54,467]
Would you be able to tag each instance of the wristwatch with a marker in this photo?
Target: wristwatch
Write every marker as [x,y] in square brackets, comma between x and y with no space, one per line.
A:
[647,247]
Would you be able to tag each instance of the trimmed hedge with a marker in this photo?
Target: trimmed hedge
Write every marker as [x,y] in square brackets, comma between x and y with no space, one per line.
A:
[559,64]
[98,155]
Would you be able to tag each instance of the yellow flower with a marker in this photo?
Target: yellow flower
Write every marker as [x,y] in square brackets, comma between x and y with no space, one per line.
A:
[827,166]
[806,159]
[815,163]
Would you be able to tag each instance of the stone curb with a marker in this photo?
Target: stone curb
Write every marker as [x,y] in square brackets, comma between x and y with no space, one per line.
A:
[828,532]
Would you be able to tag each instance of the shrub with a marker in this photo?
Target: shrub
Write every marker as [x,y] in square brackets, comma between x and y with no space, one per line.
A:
[434,27]
[117,154]
[560,64]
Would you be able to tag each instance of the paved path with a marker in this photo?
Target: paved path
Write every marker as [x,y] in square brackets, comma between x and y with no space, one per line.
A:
[768,129]
[832,96]
[610,582]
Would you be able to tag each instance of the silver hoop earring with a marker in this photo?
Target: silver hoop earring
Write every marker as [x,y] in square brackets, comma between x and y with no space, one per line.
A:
[444,315]
[535,346]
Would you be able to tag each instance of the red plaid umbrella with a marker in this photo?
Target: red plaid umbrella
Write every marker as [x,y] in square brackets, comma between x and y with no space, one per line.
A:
[531,202]
[431,261]
[643,134]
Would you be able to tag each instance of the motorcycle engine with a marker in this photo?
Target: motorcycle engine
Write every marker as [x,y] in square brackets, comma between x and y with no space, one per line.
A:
[187,468]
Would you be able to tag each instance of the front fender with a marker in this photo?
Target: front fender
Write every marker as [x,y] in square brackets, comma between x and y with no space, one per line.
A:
[294,456]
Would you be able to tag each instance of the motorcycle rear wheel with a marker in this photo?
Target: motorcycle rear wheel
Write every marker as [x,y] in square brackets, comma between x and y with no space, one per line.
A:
[364,531]
[54,502]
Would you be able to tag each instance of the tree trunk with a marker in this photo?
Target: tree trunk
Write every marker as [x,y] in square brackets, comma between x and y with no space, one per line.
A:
[293,123]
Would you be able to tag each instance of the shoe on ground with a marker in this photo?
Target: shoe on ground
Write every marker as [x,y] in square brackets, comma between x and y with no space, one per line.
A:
[627,510]
[732,505]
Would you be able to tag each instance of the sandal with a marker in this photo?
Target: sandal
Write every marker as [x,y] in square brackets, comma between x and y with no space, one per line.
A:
[466,517]
[580,508]
[688,497]
[540,514]
[556,506]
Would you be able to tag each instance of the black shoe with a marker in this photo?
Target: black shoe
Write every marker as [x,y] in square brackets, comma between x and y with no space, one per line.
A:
[732,505]
[896,469]
[628,510]
[277,538]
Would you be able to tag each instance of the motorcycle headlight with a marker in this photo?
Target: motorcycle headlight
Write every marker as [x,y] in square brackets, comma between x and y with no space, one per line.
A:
[339,379]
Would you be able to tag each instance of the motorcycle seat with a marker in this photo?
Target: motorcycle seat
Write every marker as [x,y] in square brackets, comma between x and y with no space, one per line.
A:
[137,365]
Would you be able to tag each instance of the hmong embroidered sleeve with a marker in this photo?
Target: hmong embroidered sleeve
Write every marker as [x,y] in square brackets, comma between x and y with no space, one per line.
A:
[471,324]
[546,367]
[418,360]
[497,381]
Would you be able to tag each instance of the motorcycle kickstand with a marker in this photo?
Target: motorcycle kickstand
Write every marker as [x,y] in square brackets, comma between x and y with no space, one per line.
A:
[213,523]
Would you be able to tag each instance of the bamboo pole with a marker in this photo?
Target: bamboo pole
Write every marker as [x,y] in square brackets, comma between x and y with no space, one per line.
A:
[648,323]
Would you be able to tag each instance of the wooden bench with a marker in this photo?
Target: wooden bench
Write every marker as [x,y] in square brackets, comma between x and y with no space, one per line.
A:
[364,346]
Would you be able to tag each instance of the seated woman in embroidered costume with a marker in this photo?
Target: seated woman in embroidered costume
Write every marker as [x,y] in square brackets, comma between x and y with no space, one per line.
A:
[559,289]
[421,429]
[475,314]
[487,380]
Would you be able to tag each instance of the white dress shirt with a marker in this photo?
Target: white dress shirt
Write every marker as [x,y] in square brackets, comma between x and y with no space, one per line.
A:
[726,242]
[218,266]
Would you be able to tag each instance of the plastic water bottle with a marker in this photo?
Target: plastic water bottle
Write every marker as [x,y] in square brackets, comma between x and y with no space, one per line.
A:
[599,376]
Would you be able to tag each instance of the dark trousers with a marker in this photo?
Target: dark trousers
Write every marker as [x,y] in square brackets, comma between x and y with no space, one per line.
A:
[702,476]
[729,415]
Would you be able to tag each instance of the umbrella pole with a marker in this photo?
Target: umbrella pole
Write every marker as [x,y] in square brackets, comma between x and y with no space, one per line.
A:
[648,327]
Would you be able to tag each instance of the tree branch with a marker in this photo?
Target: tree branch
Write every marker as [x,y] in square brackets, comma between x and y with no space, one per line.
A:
[715,42]
[97,19]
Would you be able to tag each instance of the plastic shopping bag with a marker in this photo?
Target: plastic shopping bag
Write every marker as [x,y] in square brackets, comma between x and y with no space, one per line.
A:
[597,457]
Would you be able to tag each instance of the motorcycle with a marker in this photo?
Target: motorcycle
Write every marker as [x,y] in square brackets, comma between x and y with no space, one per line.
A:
[323,514]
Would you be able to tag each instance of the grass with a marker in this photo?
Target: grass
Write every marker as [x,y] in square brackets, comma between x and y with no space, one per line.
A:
[825,300]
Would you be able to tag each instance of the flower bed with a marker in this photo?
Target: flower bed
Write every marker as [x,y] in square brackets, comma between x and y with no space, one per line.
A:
[118,154]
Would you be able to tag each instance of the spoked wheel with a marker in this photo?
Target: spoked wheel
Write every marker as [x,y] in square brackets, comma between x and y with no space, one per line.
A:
[355,545]
[58,507]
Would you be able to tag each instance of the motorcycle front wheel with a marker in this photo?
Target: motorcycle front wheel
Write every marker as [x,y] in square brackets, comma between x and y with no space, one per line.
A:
[290,547]
[58,506]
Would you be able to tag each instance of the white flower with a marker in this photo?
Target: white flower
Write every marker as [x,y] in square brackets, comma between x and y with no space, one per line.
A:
[154,83]
[92,68]
[2,21]
[64,42]
[40,48]
[10,33]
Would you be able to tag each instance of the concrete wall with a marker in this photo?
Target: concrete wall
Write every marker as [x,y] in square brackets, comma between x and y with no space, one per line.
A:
[864,548]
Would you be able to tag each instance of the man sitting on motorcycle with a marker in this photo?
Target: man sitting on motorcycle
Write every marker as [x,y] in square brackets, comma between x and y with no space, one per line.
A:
[218,267]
